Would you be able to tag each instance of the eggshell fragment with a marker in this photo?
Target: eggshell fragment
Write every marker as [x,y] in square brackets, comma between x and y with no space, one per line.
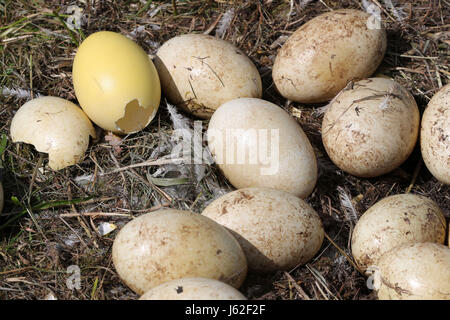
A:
[371,127]
[200,72]
[323,55]
[115,82]
[435,135]
[170,244]
[54,126]
[257,144]
[276,230]
[395,220]
[414,271]
[193,289]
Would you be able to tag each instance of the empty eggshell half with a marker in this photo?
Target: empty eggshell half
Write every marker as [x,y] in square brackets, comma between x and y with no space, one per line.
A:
[258,144]
[435,135]
[371,127]
[170,244]
[276,230]
[395,220]
[200,72]
[193,289]
[323,55]
[54,126]
[414,271]
[116,82]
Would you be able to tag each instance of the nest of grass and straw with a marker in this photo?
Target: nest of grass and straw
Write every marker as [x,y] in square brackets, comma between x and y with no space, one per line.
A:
[51,219]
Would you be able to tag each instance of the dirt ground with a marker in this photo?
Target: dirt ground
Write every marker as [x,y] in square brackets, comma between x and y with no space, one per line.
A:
[52,219]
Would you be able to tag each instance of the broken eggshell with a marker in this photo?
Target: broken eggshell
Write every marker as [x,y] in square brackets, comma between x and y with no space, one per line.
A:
[116,83]
[55,126]
[193,289]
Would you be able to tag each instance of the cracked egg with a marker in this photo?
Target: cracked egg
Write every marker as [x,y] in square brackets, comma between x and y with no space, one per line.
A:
[116,82]
[55,126]
[200,72]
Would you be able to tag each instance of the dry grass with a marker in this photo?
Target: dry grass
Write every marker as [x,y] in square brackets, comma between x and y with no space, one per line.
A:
[36,53]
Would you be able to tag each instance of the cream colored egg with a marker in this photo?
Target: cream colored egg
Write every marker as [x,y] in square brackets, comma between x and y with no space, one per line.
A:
[435,135]
[170,244]
[323,55]
[371,128]
[276,230]
[200,72]
[54,126]
[193,289]
[395,220]
[414,271]
[115,82]
[258,144]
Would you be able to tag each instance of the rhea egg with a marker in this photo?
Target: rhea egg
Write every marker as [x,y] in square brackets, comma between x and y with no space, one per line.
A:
[258,144]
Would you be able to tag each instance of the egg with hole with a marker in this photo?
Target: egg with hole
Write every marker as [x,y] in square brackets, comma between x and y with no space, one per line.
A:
[435,135]
[257,144]
[116,82]
[323,55]
[395,220]
[276,230]
[371,127]
[414,271]
[55,126]
[170,244]
[200,72]
[193,289]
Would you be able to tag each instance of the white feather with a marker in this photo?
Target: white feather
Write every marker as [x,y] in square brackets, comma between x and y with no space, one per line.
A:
[347,204]
[224,23]
[17,93]
[397,11]
[304,3]
[385,103]
[178,120]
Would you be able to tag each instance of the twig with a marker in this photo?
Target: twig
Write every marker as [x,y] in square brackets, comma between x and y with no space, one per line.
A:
[213,25]
[79,237]
[343,253]
[95,214]
[15,270]
[415,174]
[147,163]
[174,6]
[301,292]
[30,190]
